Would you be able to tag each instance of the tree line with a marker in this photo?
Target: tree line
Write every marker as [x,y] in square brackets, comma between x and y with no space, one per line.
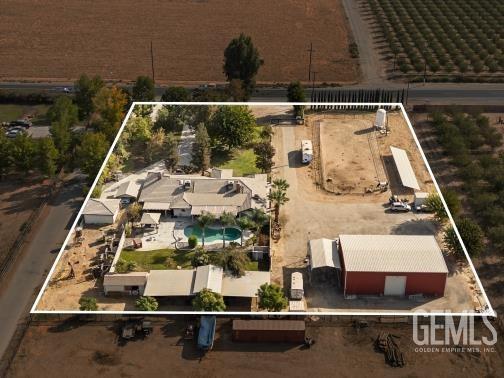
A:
[356,95]
[473,146]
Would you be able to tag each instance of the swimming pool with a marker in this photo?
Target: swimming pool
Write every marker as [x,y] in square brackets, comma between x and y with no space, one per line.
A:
[213,234]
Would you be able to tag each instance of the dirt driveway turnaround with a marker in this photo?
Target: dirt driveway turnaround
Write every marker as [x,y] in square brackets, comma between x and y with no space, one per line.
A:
[78,350]
[314,213]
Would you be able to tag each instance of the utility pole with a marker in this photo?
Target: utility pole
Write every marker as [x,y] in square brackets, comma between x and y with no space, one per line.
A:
[310,64]
[313,85]
[152,60]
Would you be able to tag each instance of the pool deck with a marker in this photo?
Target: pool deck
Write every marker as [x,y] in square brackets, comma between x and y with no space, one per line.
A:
[171,230]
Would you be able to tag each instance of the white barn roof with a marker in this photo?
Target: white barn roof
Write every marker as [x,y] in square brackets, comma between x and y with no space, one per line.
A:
[324,253]
[403,165]
[392,253]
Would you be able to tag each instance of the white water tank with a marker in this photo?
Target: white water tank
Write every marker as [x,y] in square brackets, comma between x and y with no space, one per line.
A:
[381,119]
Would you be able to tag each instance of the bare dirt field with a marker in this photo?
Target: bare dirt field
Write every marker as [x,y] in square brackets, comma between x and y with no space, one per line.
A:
[354,157]
[18,200]
[52,40]
[74,349]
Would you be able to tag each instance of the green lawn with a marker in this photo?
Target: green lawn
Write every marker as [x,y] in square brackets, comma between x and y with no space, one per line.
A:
[13,112]
[252,266]
[159,259]
[242,162]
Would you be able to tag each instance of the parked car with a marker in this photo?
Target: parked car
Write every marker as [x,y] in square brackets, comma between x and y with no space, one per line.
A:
[400,207]
[21,122]
[14,132]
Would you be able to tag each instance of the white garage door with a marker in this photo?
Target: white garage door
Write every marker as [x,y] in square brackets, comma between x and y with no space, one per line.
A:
[395,285]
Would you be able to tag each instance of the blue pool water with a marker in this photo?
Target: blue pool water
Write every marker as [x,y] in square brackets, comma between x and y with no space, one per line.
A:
[213,234]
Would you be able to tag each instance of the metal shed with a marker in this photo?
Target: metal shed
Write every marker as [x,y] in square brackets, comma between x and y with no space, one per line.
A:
[269,330]
[392,265]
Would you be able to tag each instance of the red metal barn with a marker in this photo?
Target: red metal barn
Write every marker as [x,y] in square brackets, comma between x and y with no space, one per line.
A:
[392,265]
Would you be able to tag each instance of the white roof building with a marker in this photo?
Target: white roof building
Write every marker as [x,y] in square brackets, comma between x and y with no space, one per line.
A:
[404,168]
[324,253]
[392,253]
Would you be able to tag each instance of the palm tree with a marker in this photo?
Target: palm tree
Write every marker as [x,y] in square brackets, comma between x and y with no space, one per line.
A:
[280,184]
[279,198]
[259,218]
[226,219]
[204,220]
[244,223]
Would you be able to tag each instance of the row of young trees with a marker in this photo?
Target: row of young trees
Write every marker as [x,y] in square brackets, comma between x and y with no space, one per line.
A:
[472,144]
[442,36]
[356,95]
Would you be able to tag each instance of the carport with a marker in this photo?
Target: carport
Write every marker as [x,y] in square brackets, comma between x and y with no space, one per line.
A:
[325,264]
[406,173]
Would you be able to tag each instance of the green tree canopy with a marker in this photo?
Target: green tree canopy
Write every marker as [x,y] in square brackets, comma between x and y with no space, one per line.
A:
[109,106]
[176,94]
[207,300]
[143,89]
[62,137]
[125,266]
[264,152]
[64,111]
[434,204]
[204,220]
[171,155]
[296,93]
[201,153]
[146,304]
[242,61]
[47,156]
[91,152]
[6,161]
[232,126]
[471,234]
[272,298]
[233,260]
[86,89]
[23,152]
[88,304]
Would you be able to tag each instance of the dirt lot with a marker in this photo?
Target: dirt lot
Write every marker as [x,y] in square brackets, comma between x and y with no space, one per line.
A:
[52,350]
[18,200]
[360,165]
[314,213]
[51,40]
[64,292]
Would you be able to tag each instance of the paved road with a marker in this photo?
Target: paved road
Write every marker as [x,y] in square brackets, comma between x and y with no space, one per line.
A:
[430,93]
[369,57]
[18,291]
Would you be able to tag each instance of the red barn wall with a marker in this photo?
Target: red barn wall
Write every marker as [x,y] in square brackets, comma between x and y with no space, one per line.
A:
[373,283]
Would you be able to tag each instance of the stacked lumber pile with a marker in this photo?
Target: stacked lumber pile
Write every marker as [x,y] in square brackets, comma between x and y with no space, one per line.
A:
[386,343]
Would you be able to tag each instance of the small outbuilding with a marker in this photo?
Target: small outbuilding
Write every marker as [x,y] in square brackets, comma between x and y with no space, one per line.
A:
[325,266]
[395,265]
[101,211]
[150,219]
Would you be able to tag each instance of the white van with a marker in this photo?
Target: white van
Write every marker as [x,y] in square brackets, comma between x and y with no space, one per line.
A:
[306,151]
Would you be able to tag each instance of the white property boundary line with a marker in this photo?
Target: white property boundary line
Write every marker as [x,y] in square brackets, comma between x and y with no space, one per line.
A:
[489,312]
